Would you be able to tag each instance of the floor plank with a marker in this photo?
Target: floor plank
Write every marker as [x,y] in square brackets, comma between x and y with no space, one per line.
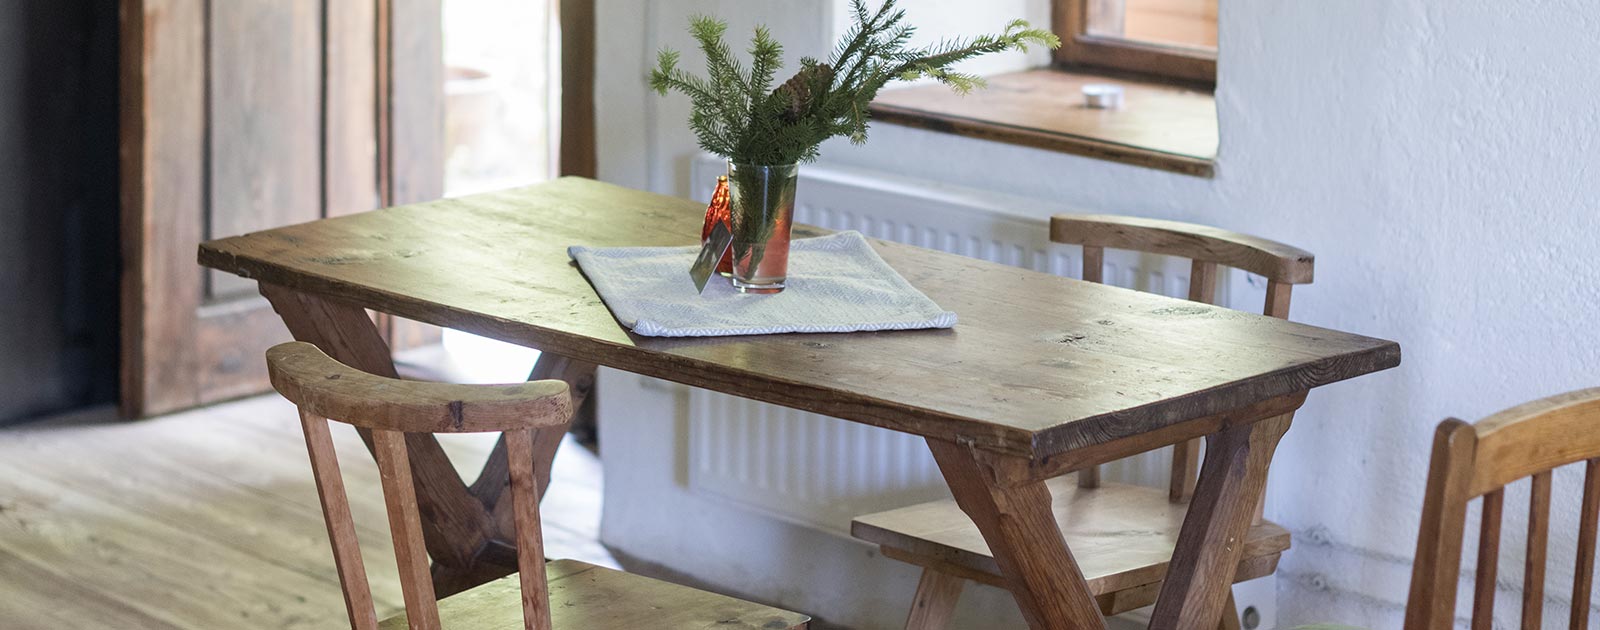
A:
[35,599]
[209,519]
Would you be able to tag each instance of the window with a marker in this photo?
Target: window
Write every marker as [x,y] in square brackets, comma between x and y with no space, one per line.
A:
[1163,53]
[1170,39]
[500,91]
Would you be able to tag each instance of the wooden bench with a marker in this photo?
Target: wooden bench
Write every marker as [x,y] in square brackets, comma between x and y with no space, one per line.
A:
[1122,536]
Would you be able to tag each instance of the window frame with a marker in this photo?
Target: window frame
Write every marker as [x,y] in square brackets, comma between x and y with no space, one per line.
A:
[1080,48]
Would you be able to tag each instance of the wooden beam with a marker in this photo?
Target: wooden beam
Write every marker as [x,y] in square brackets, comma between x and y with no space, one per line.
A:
[577,150]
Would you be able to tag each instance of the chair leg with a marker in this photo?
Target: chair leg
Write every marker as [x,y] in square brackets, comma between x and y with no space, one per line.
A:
[1230,615]
[935,602]
[1089,477]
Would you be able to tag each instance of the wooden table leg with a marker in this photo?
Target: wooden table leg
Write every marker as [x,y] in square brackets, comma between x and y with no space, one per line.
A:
[493,484]
[1013,513]
[1211,541]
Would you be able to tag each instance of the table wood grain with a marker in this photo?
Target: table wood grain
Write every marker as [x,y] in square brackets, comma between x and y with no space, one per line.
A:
[1038,364]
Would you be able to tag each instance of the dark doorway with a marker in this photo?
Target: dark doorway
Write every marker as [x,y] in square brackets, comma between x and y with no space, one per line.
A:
[58,206]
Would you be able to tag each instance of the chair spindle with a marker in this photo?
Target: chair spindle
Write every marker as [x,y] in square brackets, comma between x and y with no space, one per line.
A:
[1583,568]
[1094,262]
[1278,294]
[1488,561]
[341,525]
[1538,544]
[530,543]
[400,497]
[1203,282]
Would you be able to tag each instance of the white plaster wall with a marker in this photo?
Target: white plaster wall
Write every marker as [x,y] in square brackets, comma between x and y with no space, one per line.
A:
[1437,155]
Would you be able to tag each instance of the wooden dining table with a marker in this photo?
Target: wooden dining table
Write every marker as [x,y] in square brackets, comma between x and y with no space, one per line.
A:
[1042,376]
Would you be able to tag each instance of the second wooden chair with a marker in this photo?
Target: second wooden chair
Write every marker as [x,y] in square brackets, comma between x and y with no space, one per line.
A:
[584,596]
[1479,460]
[1122,535]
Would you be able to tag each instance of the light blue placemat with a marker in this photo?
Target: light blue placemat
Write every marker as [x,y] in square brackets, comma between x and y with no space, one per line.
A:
[836,283]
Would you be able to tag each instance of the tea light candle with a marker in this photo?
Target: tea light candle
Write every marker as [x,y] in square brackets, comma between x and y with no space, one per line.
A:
[1102,96]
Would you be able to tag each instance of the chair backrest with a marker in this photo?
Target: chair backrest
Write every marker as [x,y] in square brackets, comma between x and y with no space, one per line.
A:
[1208,249]
[1479,460]
[325,389]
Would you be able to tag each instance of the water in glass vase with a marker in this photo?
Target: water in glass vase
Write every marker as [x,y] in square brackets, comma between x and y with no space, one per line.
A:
[762,209]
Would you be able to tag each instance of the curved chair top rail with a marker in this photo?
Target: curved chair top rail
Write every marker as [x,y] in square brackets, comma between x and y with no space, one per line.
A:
[323,386]
[1276,261]
[1531,438]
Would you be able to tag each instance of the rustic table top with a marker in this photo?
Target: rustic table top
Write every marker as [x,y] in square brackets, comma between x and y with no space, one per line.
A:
[1038,364]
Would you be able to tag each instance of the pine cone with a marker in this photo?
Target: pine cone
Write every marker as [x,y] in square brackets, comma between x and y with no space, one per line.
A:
[797,90]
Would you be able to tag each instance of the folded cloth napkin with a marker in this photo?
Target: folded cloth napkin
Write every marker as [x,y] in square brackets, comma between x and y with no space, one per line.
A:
[836,283]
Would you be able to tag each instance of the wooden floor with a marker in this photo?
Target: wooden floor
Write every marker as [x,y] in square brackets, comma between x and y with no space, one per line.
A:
[208,519]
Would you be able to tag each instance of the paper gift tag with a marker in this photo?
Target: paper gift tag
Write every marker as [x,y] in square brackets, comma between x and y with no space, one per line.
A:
[704,264]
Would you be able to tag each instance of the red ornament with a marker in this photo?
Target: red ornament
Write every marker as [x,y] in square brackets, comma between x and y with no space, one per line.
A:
[719,211]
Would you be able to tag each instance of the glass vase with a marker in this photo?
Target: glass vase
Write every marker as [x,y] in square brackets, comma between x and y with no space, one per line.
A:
[761,209]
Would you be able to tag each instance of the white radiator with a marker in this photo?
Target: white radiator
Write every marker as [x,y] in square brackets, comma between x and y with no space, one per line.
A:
[820,471]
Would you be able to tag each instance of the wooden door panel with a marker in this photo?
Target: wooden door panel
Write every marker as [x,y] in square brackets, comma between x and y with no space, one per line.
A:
[231,341]
[242,115]
[264,72]
[415,51]
[350,109]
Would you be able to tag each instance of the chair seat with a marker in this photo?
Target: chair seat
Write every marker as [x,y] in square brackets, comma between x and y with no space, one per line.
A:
[584,596]
[1121,535]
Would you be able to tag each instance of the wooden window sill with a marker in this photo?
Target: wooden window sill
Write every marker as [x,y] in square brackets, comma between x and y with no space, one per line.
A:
[1159,126]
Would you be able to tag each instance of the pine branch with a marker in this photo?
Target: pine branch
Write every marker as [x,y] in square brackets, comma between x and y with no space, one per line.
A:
[767,55]
[739,115]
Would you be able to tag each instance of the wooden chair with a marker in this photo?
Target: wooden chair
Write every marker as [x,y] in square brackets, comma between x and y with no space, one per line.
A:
[1121,535]
[1480,460]
[584,595]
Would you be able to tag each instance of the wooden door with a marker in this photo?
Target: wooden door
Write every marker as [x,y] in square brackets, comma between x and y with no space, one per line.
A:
[241,115]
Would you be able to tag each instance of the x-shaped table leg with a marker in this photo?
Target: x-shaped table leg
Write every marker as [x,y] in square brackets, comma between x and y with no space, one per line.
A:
[1008,501]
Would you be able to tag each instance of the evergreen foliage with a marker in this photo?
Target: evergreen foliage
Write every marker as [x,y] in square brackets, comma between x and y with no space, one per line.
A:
[737,114]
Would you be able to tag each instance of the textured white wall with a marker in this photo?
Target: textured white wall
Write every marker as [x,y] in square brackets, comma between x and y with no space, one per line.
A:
[1438,157]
